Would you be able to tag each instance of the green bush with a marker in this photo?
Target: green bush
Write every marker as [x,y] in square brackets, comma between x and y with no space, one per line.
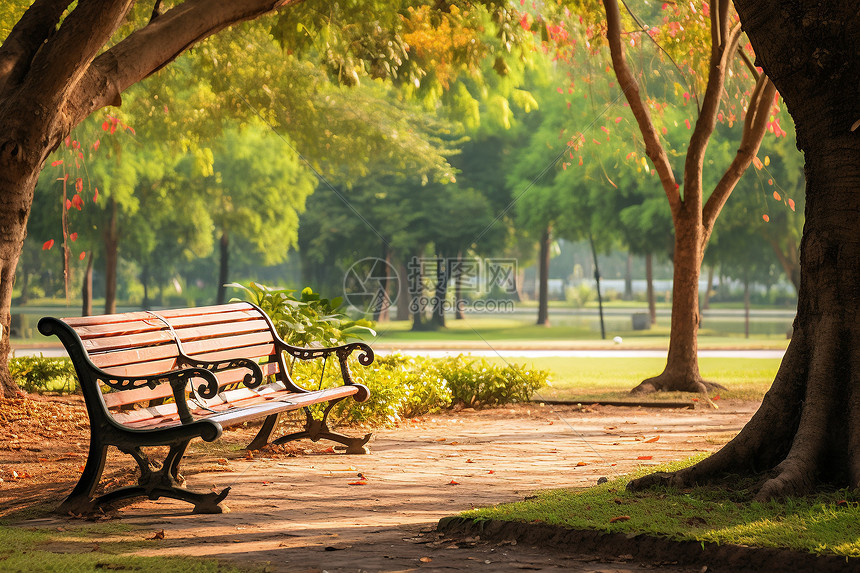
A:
[41,374]
[405,386]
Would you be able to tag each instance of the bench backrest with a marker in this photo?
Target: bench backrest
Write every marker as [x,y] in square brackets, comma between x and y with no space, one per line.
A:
[150,343]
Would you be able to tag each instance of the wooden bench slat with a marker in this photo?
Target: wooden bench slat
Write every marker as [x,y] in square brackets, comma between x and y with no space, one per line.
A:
[192,334]
[130,341]
[202,310]
[236,316]
[106,360]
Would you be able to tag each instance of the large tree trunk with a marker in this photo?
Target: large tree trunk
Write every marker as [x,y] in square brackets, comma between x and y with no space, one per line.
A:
[807,430]
[111,241]
[682,363]
[543,278]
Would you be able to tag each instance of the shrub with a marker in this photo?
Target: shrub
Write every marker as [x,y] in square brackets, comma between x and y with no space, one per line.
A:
[404,386]
[308,319]
[41,374]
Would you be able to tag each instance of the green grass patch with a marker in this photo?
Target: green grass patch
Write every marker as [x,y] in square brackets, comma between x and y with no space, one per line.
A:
[600,378]
[572,332]
[94,548]
[828,523]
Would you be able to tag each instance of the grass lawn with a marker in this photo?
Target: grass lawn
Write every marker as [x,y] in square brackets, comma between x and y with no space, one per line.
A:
[581,378]
[828,523]
[94,548]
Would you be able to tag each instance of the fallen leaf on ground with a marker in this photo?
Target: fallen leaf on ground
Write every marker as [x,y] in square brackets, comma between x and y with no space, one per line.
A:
[469,461]
[619,518]
[644,457]
[158,535]
[358,482]
[426,559]
[329,450]
[580,464]
[453,482]
[491,472]
[651,440]
[454,444]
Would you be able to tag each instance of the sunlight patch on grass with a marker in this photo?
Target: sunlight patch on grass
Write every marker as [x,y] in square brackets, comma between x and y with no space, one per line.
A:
[828,523]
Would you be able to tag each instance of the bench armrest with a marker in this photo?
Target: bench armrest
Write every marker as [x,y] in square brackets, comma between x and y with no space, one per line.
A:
[342,352]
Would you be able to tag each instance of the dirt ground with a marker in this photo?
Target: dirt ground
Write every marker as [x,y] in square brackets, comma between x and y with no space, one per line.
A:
[310,508]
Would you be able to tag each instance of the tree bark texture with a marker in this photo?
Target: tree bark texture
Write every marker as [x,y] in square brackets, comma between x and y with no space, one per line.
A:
[807,430]
[543,278]
[55,72]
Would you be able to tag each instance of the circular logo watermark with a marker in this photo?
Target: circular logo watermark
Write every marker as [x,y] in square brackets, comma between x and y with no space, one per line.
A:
[371,285]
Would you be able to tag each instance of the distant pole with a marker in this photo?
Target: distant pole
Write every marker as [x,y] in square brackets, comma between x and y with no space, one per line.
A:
[597,280]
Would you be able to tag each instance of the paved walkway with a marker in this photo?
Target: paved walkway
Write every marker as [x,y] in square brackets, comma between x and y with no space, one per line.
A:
[301,513]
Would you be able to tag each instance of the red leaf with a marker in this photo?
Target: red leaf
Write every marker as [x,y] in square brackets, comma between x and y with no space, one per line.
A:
[644,457]
[68,204]
[57,162]
[777,196]
[329,450]
[687,123]
[105,125]
[358,482]
[48,244]
[77,202]
[766,218]
[82,256]
[757,162]
[96,145]
[96,195]
[452,482]
[73,237]
[791,204]
[651,440]
[67,141]
[618,119]
[79,185]
[619,518]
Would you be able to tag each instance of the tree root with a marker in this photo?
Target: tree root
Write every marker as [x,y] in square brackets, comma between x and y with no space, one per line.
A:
[804,431]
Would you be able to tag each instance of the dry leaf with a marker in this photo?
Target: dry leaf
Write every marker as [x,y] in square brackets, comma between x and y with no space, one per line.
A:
[358,482]
[158,535]
[453,482]
[580,464]
[644,457]
[426,559]
[619,518]
[651,440]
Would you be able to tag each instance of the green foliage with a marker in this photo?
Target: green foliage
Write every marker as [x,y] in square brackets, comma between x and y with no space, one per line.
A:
[477,383]
[308,319]
[403,386]
[41,374]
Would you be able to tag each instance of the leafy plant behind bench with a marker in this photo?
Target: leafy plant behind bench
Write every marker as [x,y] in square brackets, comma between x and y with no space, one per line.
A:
[41,374]
[308,320]
[407,386]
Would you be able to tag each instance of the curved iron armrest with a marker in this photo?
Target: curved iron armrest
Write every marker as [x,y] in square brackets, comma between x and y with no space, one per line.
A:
[251,380]
[342,352]
[90,375]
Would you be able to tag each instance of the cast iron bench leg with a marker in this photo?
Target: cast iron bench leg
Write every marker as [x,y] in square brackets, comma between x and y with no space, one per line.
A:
[81,500]
[317,430]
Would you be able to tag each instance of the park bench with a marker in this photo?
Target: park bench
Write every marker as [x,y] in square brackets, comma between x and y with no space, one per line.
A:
[165,378]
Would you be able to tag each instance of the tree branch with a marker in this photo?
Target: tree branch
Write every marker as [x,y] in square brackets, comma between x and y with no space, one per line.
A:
[152,47]
[707,121]
[755,126]
[30,32]
[653,149]
[59,65]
